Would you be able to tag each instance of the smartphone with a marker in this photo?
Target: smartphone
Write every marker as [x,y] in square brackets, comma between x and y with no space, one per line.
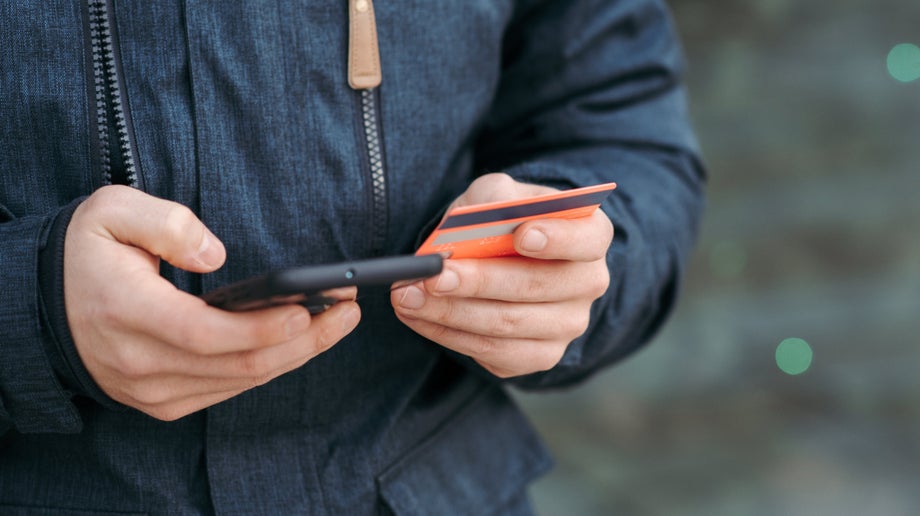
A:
[318,287]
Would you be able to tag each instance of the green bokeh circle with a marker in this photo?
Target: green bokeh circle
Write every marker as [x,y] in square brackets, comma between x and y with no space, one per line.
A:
[793,356]
[904,62]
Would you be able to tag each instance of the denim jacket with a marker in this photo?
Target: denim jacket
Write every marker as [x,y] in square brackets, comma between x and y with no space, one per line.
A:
[243,112]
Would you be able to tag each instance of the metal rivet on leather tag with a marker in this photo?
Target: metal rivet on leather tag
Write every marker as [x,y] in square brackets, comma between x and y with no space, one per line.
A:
[361,6]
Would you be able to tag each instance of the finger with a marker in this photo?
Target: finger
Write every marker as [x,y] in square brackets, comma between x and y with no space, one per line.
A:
[200,376]
[264,364]
[203,376]
[502,357]
[166,391]
[498,187]
[176,409]
[520,279]
[143,359]
[186,321]
[584,239]
[175,375]
[164,228]
[182,408]
[539,321]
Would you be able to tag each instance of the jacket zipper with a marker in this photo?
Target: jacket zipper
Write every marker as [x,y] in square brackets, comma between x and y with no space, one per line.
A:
[378,179]
[114,132]
[364,75]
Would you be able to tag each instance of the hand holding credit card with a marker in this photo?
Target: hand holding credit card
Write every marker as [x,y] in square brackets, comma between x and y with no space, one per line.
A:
[485,230]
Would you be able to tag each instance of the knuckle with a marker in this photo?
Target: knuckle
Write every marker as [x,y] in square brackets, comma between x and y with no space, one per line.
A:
[258,381]
[105,194]
[606,223]
[252,364]
[166,413]
[259,334]
[329,334]
[190,336]
[133,367]
[179,221]
[599,283]
[325,340]
[505,324]
[494,181]
[584,321]
[445,312]
[105,312]
[550,358]
[605,226]
[492,187]
[130,364]
[150,395]
[535,286]
[499,371]
[103,200]
[479,283]
[440,333]
[482,346]
[90,205]
[596,253]
[596,248]
[576,325]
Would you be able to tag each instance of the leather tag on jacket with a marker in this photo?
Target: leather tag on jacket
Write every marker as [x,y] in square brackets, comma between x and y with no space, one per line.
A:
[363,55]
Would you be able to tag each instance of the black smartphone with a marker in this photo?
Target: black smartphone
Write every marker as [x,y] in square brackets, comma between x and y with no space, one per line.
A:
[318,287]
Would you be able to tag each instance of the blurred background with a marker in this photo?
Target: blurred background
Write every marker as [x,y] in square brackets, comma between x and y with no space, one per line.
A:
[809,117]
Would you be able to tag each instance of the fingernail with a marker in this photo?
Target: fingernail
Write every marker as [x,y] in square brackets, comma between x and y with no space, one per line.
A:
[447,281]
[534,241]
[297,324]
[350,319]
[208,252]
[413,298]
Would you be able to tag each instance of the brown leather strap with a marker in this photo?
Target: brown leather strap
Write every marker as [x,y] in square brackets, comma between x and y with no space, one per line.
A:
[363,55]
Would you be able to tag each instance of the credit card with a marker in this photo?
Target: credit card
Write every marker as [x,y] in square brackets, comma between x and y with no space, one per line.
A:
[485,230]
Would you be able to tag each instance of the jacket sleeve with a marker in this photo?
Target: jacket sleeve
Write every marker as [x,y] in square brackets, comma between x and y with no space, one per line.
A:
[33,398]
[591,92]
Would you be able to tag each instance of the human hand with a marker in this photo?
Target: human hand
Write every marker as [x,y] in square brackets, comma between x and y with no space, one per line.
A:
[514,315]
[153,347]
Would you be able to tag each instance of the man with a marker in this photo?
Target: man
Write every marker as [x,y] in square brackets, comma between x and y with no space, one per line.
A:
[153,151]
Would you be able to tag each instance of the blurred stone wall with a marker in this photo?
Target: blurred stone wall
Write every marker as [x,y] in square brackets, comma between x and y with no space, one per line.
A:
[811,232]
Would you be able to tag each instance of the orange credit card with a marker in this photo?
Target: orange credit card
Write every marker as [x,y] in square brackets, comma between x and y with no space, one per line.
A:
[485,230]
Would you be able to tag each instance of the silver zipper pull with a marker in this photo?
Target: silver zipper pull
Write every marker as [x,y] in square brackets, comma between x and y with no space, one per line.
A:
[363,55]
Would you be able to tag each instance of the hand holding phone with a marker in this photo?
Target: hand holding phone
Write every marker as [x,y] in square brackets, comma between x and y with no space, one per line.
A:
[153,347]
[318,287]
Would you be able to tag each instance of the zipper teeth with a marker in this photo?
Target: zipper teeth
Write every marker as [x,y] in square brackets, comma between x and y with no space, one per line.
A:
[124,140]
[106,81]
[97,13]
[375,160]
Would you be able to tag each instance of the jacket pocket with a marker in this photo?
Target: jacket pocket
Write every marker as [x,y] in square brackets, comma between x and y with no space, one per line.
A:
[476,463]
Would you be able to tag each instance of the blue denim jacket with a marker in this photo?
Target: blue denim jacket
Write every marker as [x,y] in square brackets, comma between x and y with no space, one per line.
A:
[242,111]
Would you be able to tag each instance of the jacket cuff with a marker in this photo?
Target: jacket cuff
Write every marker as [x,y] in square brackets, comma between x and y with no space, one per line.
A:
[32,398]
[60,348]
[51,285]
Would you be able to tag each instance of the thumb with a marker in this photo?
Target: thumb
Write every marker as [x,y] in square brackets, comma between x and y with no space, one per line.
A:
[163,228]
